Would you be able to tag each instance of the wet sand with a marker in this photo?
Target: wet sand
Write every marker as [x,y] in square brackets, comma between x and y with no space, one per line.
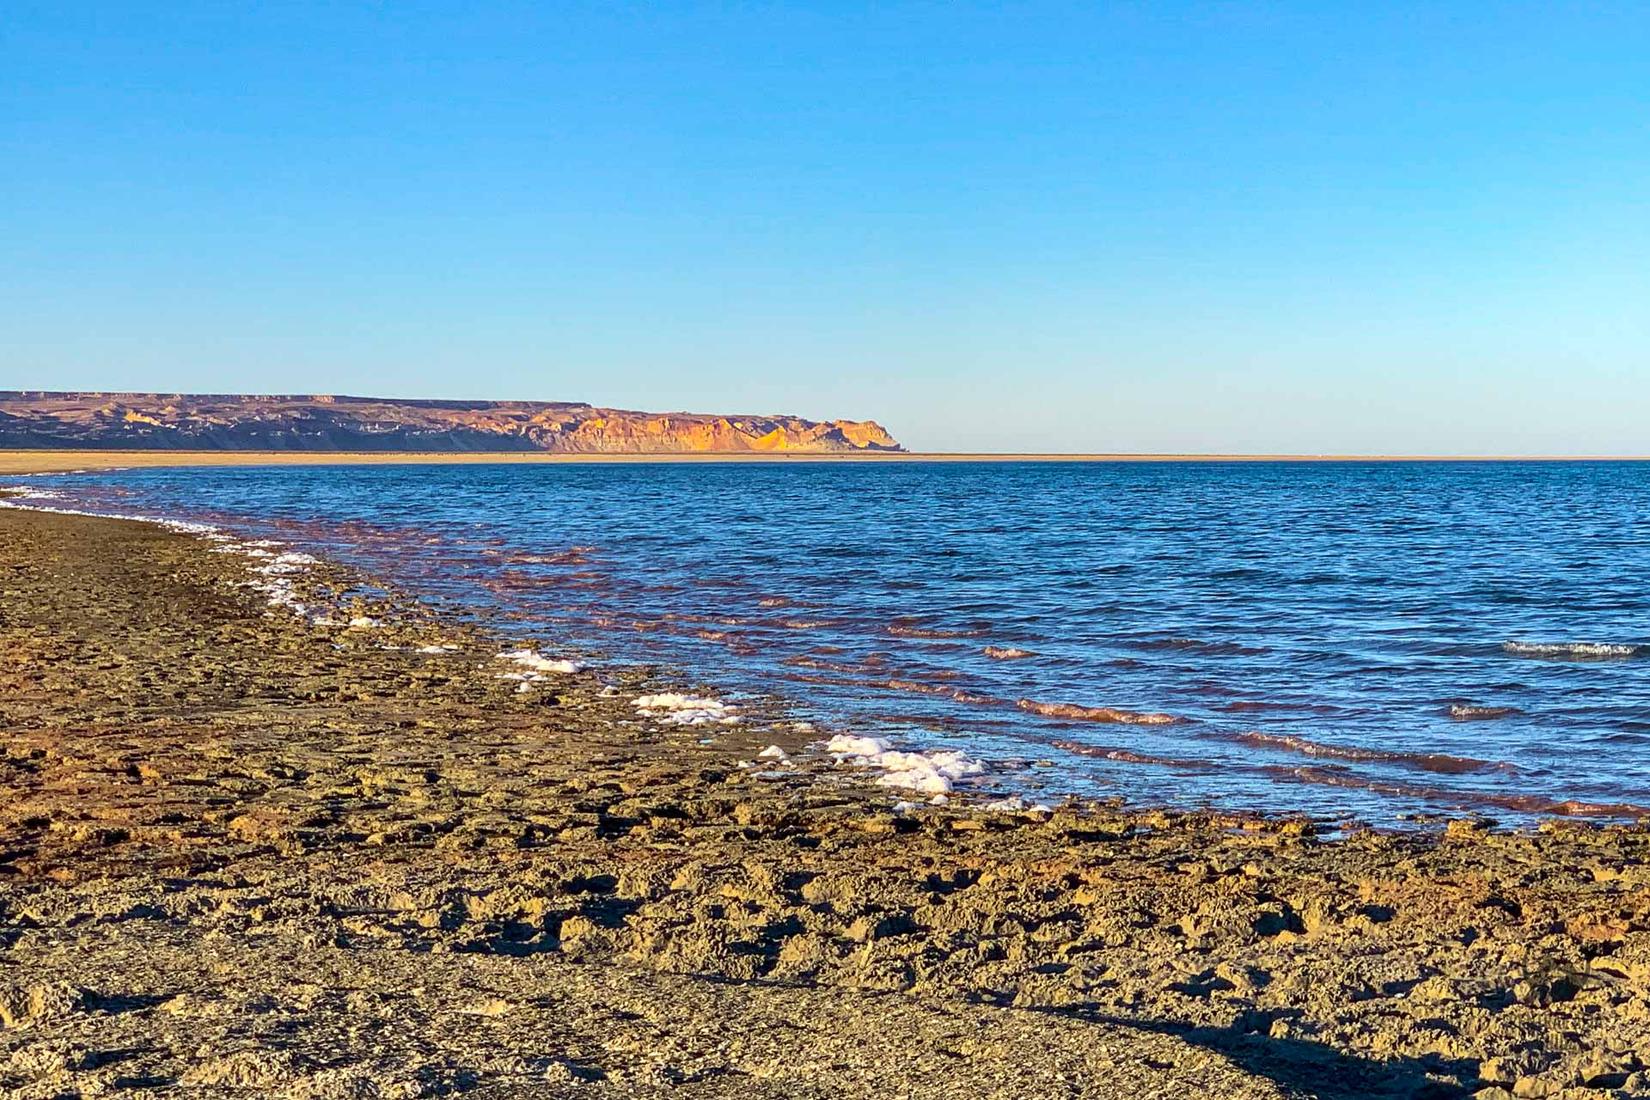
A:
[43,462]
[246,855]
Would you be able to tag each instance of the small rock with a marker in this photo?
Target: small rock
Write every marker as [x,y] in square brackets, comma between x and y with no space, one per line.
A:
[1510,1067]
[20,1005]
[245,1069]
[52,1058]
[1542,1084]
[342,1083]
[1245,979]
[1600,1070]
[1438,990]
[488,1006]
[581,936]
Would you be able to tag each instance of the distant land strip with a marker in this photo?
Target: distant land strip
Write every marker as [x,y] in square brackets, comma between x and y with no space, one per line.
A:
[95,420]
[14,462]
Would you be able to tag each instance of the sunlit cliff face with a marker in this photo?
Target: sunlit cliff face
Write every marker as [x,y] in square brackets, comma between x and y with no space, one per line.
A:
[303,422]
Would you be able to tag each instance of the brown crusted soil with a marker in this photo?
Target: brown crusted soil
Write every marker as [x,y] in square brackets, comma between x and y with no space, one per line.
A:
[241,855]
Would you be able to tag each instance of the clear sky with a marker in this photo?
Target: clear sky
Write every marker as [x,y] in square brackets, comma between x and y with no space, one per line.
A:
[1310,227]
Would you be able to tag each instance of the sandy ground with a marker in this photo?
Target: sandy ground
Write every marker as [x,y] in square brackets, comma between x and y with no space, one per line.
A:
[38,462]
[246,855]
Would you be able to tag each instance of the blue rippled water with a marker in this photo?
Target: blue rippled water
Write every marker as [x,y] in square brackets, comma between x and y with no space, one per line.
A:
[1354,640]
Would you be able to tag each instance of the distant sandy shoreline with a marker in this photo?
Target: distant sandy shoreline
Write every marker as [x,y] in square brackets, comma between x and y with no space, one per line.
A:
[40,462]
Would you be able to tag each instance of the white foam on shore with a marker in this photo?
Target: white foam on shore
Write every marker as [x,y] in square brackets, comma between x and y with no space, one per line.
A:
[182,526]
[534,661]
[276,570]
[28,493]
[1017,804]
[675,709]
[927,772]
[273,574]
[535,668]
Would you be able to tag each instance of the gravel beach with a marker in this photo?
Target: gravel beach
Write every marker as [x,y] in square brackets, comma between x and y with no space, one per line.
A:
[246,853]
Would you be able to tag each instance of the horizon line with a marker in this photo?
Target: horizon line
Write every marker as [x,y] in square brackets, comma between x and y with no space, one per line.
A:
[19,461]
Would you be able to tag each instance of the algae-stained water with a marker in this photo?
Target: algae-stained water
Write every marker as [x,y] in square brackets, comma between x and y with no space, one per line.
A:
[1347,639]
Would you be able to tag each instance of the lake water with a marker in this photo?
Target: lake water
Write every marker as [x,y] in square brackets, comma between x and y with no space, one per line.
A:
[1352,640]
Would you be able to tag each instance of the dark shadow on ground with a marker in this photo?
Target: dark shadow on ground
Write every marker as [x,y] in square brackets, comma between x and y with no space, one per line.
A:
[1300,1067]
[1303,1067]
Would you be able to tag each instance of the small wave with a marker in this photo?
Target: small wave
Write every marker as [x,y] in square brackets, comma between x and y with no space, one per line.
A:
[814,678]
[1129,756]
[1425,761]
[827,666]
[1248,706]
[1096,714]
[1520,803]
[1196,645]
[1464,712]
[919,688]
[26,492]
[574,555]
[1574,651]
[734,643]
[1006,653]
[902,630]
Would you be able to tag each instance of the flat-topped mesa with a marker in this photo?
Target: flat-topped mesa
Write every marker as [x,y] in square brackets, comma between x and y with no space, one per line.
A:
[316,422]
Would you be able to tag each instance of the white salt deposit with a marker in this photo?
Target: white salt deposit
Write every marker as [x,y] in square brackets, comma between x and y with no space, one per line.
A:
[273,574]
[675,709]
[536,662]
[179,525]
[277,572]
[535,668]
[285,564]
[1016,804]
[926,772]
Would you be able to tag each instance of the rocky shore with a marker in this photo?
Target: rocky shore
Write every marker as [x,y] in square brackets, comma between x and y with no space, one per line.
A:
[246,853]
[315,422]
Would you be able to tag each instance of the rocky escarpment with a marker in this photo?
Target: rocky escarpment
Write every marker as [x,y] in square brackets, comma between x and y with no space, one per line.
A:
[33,419]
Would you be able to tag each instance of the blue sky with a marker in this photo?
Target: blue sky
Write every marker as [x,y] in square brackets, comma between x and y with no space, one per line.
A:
[1141,227]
